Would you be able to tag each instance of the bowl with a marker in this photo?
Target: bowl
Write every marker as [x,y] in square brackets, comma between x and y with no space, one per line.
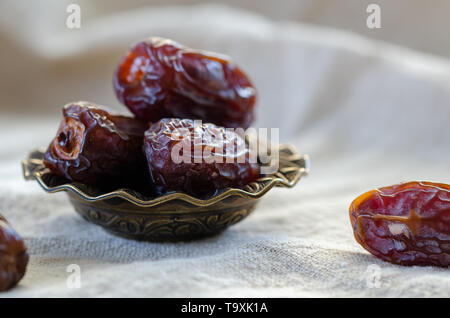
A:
[173,216]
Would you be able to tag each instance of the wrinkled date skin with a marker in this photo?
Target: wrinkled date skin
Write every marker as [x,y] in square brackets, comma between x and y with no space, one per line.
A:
[13,256]
[96,147]
[405,224]
[159,78]
[197,159]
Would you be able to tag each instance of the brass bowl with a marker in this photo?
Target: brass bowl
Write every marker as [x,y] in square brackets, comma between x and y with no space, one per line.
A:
[174,216]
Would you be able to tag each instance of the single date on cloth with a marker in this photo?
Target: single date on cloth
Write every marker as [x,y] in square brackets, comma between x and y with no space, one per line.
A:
[229,307]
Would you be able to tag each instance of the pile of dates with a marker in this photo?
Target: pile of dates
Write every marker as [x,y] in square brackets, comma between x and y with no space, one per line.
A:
[184,103]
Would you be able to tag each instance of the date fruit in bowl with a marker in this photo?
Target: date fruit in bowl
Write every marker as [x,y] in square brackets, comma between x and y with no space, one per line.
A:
[405,224]
[159,78]
[197,158]
[13,256]
[96,147]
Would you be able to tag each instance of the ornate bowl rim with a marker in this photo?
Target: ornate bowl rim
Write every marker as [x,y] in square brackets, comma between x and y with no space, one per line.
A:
[292,167]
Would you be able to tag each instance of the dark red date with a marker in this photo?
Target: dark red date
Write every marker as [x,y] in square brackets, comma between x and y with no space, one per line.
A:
[96,147]
[405,224]
[159,78]
[197,158]
[13,256]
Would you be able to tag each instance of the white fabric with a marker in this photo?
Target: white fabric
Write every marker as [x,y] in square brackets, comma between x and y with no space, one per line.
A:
[368,114]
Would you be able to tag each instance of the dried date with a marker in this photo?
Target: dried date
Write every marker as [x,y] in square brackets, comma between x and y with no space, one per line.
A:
[96,147]
[197,158]
[406,224]
[13,256]
[159,78]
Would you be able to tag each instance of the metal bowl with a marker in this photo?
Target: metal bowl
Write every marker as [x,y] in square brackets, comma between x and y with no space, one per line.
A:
[174,216]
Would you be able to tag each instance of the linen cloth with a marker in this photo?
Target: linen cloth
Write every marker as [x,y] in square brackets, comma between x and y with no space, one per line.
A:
[368,114]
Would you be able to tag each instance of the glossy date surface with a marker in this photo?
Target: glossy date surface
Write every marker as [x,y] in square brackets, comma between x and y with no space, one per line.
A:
[13,256]
[406,224]
[96,147]
[197,158]
[159,78]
